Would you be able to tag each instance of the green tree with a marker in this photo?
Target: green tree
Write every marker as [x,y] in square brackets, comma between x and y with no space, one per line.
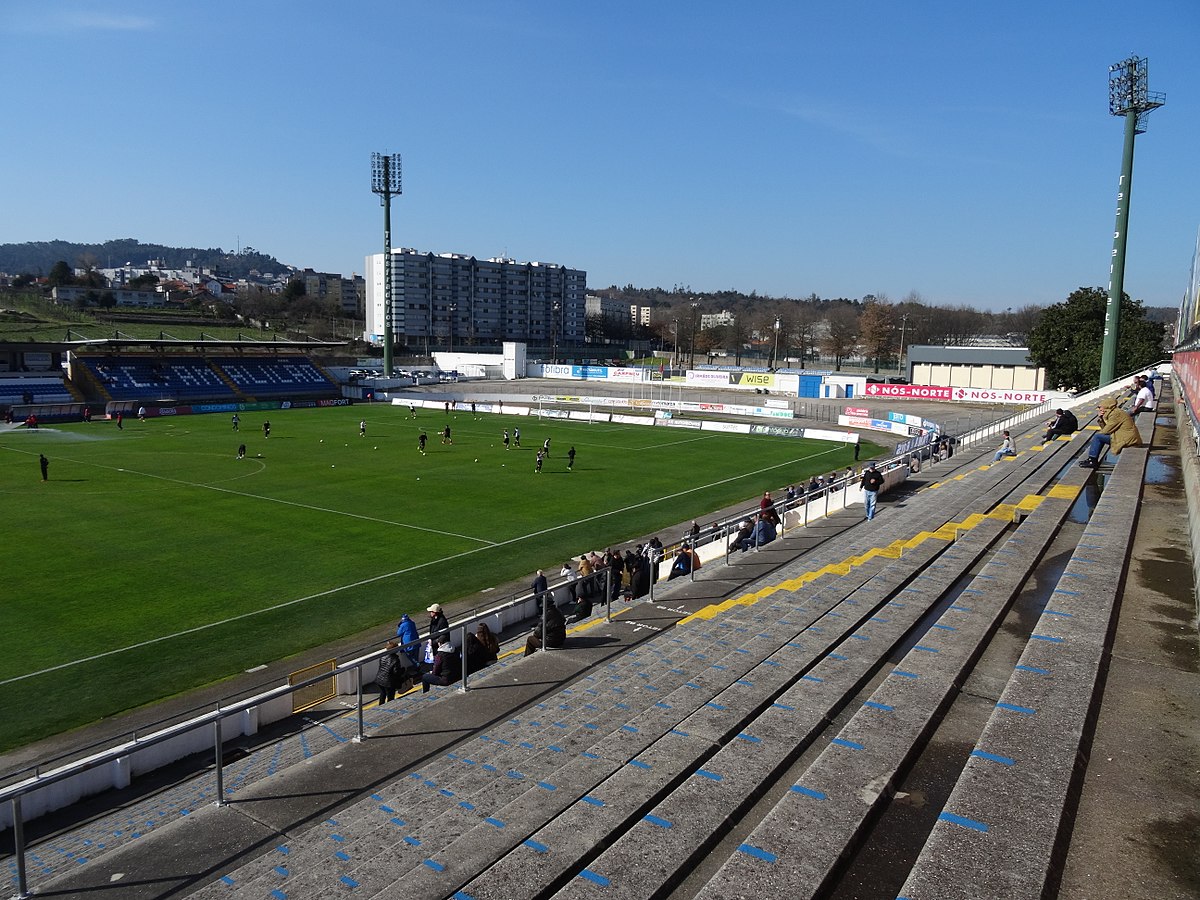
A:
[1068,339]
[60,273]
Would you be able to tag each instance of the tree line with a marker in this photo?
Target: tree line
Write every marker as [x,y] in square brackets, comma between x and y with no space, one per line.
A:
[1064,338]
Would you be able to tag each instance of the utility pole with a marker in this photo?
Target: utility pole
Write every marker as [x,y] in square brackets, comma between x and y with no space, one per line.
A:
[385,181]
[1128,96]
[692,352]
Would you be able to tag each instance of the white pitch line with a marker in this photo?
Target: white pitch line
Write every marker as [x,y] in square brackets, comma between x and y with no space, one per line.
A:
[376,578]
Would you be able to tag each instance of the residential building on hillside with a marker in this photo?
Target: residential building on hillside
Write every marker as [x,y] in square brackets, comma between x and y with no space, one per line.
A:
[451,299]
[71,294]
[348,293]
[606,307]
[716,320]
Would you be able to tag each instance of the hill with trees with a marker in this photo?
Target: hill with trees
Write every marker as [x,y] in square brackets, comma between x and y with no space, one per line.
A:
[39,257]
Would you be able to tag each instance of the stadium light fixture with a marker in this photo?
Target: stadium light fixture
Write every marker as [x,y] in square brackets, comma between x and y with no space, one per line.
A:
[1128,96]
[385,181]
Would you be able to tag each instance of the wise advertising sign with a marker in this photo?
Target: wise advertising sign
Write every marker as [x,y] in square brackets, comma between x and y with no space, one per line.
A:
[754,379]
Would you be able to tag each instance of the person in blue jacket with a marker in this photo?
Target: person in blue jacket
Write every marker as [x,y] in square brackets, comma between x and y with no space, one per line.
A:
[410,639]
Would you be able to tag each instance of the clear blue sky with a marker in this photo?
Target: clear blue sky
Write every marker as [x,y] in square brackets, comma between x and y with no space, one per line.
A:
[961,150]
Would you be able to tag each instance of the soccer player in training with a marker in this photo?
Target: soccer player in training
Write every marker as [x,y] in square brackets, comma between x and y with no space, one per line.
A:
[421,440]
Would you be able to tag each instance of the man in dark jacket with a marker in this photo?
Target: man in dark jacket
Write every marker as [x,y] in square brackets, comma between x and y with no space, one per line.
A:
[1064,422]
[872,484]
[556,631]
[539,587]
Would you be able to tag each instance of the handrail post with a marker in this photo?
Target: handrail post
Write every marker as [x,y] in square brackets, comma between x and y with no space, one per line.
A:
[607,595]
[19,847]
[218,758]
[358,682]
[462,633]
[725,538]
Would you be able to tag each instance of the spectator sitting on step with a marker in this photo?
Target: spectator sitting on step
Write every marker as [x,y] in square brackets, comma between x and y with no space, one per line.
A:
[556,631]
[1064,423]
[476,654]
[682,564]
[583,606]
[762,533]
[447,667]
[489,640]
[1117,431]
[1006,448]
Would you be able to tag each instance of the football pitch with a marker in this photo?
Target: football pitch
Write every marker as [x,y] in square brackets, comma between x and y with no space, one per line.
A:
[154,560]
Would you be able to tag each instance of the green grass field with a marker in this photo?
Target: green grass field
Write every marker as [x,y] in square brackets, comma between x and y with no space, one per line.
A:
[158,534]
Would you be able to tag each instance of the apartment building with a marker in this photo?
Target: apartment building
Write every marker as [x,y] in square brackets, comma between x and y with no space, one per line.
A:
[348,293]
[451,299]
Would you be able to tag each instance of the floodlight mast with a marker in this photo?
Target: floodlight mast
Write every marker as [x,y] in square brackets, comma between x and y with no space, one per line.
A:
[385,181]
[1128,96]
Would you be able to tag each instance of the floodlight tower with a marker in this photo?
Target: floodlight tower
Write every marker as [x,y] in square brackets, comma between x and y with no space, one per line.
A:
[385,181]
[1128,96]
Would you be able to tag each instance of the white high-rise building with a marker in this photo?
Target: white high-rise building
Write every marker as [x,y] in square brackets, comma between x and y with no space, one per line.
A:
[449,299]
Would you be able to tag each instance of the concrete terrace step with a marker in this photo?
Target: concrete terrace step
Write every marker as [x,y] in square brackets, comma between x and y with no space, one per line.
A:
[670,715]
[840,657]
[651,849]
[511,755]
[998,833]
[800,842]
